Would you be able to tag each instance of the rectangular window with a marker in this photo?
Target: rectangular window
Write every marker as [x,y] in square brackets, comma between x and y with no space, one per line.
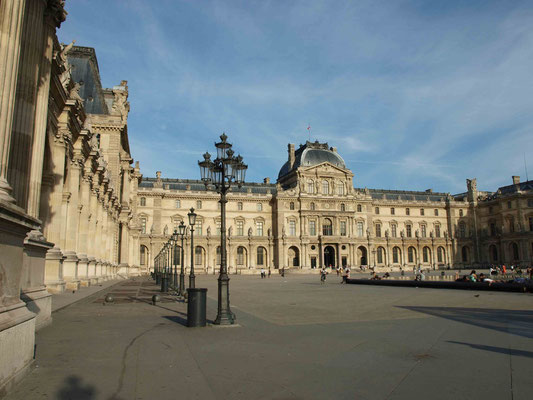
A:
[260,258]
[198,256]
[259,228]
[143,225]
[259,207]
[409,230]
[218,227]
[198,228]
[377,210]
[407,211]
[393,230]
[312,228]
[392,211]
[360,227]
[509,205]
[292,228]
[178,203]
[436,212]
[199,204]
[378,230]
[239,206]
[343,228]
[421,211]
[240,228]
[423,229]
[437,231]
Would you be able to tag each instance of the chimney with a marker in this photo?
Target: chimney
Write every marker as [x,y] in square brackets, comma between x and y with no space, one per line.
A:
[266,180]
[516,180]
[291,155]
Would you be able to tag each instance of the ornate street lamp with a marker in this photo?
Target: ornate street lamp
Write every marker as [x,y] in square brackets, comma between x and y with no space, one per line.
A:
[192,221]
[221,172]
[174,239]
[181,232]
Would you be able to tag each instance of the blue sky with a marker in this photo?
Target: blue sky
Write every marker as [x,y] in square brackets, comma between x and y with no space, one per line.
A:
[414,94]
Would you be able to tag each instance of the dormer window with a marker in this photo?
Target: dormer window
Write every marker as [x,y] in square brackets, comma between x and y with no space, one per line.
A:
[325,187]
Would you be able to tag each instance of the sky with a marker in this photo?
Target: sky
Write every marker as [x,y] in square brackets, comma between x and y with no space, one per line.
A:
[414,94]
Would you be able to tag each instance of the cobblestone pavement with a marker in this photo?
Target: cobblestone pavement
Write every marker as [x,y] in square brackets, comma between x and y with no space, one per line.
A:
[295,339]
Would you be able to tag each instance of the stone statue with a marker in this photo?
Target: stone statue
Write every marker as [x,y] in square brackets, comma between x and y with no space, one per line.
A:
[165,231]
[65,49]
[208,231]
[269,232]
[120,104]
[75,92]
[230,231]
[249,232]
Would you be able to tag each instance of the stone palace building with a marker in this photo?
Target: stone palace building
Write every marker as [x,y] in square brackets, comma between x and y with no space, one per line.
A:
[67,184]
[313,216]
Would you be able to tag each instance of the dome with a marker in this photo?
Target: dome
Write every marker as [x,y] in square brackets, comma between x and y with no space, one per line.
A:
[312,154]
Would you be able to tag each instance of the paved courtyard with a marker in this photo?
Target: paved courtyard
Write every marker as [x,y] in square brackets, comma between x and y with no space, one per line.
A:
[295,339]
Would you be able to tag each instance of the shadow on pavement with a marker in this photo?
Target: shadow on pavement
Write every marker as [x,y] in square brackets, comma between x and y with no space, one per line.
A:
[75,389]
[502,350]
[182,319]
[517,322]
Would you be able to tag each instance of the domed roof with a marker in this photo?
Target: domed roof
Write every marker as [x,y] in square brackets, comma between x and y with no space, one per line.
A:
[311,154]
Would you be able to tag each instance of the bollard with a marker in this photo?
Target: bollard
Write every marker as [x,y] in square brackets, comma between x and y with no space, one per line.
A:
[196,307]
[164,284]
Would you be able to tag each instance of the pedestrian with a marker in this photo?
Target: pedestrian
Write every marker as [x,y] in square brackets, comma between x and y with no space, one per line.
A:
[262,273]
[323,273]
[269,272]
[283,272]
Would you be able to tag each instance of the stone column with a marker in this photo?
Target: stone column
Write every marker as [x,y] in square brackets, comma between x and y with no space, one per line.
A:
[11,22]
[83,230]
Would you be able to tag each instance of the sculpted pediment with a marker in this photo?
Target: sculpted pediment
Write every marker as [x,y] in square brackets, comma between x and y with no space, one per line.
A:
[325,168]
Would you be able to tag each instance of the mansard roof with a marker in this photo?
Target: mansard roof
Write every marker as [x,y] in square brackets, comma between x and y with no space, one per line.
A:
[85,71]
[406,195]
[310,154]
[198,185]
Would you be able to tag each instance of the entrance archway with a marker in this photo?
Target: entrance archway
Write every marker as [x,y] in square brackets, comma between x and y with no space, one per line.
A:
[329,256]
[362,255]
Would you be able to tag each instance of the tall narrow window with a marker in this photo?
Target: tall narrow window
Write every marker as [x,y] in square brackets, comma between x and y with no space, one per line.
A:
[436,212]
[199,204]
[292,228]
[327,227]
[143,255]
[198,256]
[340,189]
[240,255]
[393,230]
[219,255]
[378,230]
[259,207]
[143,201]
[409,230]
[380,255]
[425,254]
[312,206]
[259,228]
[143,225]
[260,256]
[178,203]
[411,254]
[460,213]
[239,206]
[440,255]
[218,227]
[421,211]
[343,207]
[359,208]
[377,210]
[392,211]
[360,228]
[407,211]
[462,229]
[423,230]
[198,228]
[310,187]
[437,231]
[343,228]
[291,205]
[325,187]
[395,255]
[312,228]
[240,228]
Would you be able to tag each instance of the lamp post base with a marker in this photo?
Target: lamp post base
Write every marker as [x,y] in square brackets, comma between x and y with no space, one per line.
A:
[224,315]
[182,284]
[192,281]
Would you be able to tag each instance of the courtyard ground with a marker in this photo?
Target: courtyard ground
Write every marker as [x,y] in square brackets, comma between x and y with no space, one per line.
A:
[295,339]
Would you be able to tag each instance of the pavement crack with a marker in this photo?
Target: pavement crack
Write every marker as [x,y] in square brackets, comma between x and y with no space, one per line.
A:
[123,362]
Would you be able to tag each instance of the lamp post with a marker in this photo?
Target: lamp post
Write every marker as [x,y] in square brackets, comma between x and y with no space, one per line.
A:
[221,172]
[192,221]
[174,262]
[181,231]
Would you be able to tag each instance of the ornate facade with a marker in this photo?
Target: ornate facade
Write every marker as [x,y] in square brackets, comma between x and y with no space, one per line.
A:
[67,187]
[314,216]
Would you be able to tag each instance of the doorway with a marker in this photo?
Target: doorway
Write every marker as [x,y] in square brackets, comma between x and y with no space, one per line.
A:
[329,256]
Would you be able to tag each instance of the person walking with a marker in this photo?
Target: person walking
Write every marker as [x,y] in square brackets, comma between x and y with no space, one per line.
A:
[262,273]
[323,273]
[269,272]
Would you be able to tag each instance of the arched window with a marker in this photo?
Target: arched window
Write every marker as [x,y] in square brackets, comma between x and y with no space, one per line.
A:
[325,187]
[359,208]
[143,201]
[396,255]
[291,205]
[219,255]
[312,206]
[343,207]
[514,247]
[426,254]
[460,213]
[462,229]
[411,254]
[437,230]
[327,227]
[198,256]
[261,256]
[464,253]
[240,255]
[340,189]
[143,255]
[381,254]
[440,254]
[310,187]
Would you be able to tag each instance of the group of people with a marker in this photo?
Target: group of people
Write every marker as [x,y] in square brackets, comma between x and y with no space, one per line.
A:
[264,274]
[344,271]
[473,276]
